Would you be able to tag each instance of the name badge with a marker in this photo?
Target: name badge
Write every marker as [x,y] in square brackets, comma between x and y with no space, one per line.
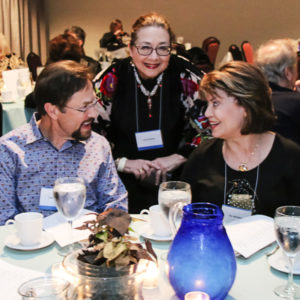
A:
[147,140]
[234,213]
[47,201]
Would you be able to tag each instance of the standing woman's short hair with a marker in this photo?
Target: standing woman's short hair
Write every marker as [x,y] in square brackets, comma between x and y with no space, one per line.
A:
[151,19]
[250,87]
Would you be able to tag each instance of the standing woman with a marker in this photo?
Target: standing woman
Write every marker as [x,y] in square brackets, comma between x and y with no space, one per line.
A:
[245,165]
[146,99]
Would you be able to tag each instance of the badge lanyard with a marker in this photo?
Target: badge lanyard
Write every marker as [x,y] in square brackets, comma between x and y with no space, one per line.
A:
[149,139]
[255,188]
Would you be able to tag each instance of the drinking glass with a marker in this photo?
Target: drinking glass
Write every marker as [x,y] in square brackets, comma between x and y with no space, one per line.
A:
[172,196]
[69,194]
[44,288]
[287,229]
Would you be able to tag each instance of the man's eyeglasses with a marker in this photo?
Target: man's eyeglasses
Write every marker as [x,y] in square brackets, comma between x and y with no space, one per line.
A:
[147,50]
[86,108]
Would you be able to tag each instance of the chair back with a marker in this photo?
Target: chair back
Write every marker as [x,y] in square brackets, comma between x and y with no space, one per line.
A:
[247,52]
[235,52]
[200,59]
[211,46]
[33,61]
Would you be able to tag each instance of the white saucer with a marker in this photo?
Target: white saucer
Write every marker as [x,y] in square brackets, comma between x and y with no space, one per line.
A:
[148,234]
[13,242]
[279,262]
[7,101]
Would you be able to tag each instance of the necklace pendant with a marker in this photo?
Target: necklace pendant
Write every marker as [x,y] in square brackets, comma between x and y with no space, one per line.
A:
[243,167]
[149,102]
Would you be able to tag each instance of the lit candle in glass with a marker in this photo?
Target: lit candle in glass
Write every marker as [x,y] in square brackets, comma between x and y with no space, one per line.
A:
[150,273]
[196,296]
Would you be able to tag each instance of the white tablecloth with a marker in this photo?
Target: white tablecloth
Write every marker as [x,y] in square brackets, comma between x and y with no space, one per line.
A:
[14,115]
[255,279]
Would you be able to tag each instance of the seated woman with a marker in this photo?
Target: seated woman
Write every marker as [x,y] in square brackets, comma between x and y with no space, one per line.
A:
[245,165]
[146,101]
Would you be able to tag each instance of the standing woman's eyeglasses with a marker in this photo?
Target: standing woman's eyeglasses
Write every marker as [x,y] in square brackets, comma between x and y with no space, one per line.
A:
[147,50]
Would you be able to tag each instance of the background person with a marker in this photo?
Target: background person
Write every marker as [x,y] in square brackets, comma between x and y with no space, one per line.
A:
[245,165]
[58,142]
[147,96]
[113,40]
[278,60]
[80,35]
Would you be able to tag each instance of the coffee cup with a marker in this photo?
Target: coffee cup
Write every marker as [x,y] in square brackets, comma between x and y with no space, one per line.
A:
[29,226]
[158,222]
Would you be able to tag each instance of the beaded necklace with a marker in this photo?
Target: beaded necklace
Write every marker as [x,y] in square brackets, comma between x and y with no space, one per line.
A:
[147,93]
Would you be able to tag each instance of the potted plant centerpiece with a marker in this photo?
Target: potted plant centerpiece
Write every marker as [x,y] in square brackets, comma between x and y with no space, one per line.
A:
[110,262]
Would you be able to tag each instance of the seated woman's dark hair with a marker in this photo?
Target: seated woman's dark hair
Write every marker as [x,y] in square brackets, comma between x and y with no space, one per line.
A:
[249,86]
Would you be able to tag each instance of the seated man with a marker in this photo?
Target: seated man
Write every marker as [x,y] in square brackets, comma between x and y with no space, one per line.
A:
[278,60]
[58,142]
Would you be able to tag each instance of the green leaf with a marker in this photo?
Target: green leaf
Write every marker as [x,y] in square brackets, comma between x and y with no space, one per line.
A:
[103,235]
[112,250]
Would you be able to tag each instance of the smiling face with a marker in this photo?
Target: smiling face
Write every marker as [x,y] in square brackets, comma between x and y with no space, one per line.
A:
[225,115]
[152,65]
[75,124]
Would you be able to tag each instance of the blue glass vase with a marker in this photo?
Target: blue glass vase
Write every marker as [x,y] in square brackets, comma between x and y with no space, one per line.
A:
[201,257]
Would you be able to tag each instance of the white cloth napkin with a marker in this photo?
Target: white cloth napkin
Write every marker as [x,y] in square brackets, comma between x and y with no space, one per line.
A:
[12,277]
[59,228]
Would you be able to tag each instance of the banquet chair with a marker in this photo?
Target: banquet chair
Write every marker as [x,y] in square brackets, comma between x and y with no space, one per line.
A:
[211,46]
[235,52]
[247,52]
[33,61]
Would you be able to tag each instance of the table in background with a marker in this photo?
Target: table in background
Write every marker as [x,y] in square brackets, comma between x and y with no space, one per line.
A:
[255,279]
[14,115]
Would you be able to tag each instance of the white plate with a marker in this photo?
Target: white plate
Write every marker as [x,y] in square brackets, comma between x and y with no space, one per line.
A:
[279,262]
[148,234]
[13,242]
